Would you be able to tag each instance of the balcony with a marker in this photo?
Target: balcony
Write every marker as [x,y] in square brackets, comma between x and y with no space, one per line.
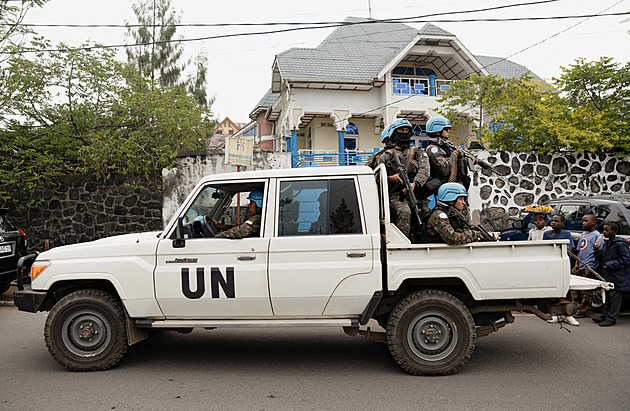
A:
[406,86]
[323,158]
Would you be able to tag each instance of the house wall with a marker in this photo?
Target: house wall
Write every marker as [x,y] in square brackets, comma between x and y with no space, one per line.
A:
[265,132]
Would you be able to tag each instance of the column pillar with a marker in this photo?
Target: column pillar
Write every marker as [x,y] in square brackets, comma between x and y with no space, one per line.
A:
[294,161]
[340,137]
[432,89]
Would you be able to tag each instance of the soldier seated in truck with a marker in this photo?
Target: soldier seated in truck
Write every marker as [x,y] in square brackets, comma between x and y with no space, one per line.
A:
[444,223]
[249,228]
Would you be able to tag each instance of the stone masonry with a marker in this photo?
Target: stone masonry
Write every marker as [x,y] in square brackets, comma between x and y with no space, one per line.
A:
[81,209]
[529,178]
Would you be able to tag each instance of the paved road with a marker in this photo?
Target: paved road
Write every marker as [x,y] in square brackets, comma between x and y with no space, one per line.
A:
[527,365]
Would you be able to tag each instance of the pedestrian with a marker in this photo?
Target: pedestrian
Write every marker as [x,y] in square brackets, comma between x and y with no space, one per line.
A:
[540,221]
[586,254]
[557,233]
[445,224]
[614,259]
[416,164]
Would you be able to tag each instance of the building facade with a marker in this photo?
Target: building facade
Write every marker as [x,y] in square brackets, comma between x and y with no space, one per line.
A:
[328,105]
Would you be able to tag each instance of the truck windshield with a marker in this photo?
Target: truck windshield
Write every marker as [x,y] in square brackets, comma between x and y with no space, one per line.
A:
[206,203]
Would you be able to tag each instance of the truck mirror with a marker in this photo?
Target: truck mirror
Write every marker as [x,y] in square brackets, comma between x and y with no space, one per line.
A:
[179,241]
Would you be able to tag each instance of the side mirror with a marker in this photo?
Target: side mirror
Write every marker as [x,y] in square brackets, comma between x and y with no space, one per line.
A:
[518,225]
[179,241]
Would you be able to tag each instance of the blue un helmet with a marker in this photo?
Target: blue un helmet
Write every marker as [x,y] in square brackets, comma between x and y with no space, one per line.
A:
[389,130]
[437,124]
[257,197]
[451,192]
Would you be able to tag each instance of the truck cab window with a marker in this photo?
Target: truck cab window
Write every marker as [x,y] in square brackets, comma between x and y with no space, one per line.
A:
[217,208]
[318,207]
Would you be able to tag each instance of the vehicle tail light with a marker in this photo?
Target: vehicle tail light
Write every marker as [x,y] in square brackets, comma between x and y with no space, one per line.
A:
[24,234]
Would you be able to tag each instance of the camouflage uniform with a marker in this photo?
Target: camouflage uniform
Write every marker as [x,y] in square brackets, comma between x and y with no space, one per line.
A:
[443,163]
[441,227]
[418,172]
[372,162]
[249,228]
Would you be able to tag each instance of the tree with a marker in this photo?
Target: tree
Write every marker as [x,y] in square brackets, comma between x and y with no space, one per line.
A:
[12,14]
[521,114]
[84,112]
[157,56]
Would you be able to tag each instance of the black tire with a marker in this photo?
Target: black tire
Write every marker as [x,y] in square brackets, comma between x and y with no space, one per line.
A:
[86,331]
[430,332]
[4,287]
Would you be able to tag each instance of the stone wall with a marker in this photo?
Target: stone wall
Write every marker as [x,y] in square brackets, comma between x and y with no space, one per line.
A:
[529,178]
[81,209]
[193,165]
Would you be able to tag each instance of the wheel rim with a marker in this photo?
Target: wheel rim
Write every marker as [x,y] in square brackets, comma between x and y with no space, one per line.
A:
[432,336]
[86,333]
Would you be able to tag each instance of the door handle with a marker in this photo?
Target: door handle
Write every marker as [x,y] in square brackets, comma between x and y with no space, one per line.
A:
[356,254]
[246,257]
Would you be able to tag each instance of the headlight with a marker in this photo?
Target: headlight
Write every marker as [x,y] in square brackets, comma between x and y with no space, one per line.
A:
[38,267]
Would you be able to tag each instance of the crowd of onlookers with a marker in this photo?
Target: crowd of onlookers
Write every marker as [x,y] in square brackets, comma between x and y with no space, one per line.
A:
[598,255]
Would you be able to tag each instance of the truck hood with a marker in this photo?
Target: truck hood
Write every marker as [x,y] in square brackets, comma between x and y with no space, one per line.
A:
[117,246]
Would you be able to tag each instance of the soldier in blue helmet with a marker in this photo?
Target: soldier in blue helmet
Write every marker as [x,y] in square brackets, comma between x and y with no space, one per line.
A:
[249,228]
[415,162]
[372,162]
[445,225]
[446,165]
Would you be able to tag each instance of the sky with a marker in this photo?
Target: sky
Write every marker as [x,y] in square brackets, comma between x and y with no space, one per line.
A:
[239,71]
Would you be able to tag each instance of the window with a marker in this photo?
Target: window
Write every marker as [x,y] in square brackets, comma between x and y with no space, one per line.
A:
[573,215]
[318,207]
[218,202]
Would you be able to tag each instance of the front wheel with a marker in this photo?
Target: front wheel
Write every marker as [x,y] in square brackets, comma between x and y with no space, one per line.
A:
[86,331]
[431,332]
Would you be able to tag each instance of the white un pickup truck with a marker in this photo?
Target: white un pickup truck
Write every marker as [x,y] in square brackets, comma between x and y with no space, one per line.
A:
[326,255]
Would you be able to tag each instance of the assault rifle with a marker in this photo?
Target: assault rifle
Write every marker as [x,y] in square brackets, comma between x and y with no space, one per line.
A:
[411,196]
[485,236]
[483,164]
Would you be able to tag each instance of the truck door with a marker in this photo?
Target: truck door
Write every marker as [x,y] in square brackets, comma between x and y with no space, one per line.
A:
[320,241]
[208,277]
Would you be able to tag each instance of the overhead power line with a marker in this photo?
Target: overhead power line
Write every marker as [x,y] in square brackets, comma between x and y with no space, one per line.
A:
[324,23]
[257,33]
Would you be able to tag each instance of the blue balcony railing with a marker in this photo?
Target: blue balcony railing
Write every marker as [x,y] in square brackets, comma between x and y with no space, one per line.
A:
[331,159]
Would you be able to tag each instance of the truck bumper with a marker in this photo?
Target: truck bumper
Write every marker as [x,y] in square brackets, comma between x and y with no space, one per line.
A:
[582,283]
[28,300]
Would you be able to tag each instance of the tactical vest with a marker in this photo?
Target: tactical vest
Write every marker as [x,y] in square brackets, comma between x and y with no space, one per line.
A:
[454,221]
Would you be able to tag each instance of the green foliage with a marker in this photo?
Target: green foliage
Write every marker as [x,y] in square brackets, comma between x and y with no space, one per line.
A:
[586,111]
[160,59]
[84,112]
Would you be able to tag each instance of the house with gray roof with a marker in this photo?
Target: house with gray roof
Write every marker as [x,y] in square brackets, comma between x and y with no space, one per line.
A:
[329,104]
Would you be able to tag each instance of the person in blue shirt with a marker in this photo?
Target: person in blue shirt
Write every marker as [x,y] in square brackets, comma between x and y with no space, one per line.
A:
[557,233]
[586,254]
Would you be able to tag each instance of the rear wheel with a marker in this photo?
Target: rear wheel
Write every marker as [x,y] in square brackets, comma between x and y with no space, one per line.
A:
[86,331]
[431,332]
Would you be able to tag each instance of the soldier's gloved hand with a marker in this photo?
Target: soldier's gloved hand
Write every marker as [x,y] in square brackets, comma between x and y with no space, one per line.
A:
[460,153]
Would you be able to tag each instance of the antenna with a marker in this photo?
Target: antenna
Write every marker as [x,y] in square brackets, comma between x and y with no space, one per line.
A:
[370,8]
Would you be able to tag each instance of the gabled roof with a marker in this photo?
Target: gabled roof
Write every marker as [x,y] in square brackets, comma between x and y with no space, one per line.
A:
[506,68]
[352,53]
[358,51]
[267,101]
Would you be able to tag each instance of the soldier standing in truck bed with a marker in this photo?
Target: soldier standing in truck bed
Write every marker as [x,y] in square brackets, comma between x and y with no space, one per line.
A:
[415,162]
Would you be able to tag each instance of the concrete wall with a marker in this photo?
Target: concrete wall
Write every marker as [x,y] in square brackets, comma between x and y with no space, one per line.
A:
[192,166]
